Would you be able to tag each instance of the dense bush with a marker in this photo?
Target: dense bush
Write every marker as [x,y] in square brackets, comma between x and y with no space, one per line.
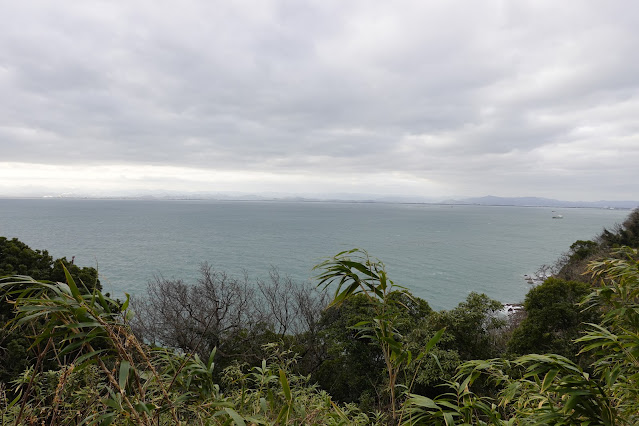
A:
[573,265]
[17,258]
[554,319]
[549,388]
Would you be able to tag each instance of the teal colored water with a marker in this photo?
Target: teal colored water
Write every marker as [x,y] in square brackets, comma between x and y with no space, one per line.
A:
[441,253]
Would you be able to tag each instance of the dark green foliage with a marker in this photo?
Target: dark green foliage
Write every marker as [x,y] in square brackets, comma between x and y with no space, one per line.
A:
[471,327]
[434,370]
[574,264]
[554,319]
[353,273]
[13,354]
[17,258]
[352,368]
[473,331]
[625,235]
[86,277]
[410,311]
[550,389]
[580,249]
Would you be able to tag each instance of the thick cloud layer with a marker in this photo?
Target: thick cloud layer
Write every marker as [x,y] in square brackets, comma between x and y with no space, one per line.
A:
[426,98]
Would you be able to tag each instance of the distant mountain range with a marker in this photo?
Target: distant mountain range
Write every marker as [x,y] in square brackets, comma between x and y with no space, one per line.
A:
[542,202]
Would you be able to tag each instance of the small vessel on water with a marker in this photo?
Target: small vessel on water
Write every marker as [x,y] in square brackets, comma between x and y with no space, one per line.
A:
[556,215]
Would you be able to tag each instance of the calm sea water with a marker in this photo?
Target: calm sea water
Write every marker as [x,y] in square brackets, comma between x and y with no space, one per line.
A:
[441,253]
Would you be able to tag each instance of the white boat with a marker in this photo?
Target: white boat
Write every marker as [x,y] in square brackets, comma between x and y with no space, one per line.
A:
[556,215]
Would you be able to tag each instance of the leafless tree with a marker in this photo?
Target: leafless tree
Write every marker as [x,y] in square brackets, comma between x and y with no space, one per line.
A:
[234,315]
[288,306]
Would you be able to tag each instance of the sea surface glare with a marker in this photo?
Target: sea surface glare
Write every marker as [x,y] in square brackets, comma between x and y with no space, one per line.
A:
[439,252]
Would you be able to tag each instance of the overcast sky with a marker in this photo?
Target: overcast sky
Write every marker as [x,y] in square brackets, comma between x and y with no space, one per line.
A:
[423,98]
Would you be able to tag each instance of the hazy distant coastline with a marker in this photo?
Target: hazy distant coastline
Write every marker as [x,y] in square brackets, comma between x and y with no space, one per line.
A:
[357,198]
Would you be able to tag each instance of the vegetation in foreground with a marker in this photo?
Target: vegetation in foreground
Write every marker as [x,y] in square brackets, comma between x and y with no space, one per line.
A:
[228,351]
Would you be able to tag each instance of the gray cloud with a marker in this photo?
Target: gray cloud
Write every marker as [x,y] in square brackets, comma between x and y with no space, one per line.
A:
[514,98]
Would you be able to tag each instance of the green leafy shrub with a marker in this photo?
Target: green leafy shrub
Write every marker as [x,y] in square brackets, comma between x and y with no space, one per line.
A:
[550,388]
[554,319]
[354,273]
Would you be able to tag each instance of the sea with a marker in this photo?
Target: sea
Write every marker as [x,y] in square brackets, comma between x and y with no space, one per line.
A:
[439,252]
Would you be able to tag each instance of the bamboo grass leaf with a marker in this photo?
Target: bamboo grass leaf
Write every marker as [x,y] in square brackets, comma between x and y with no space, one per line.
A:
[82,340]
[90,356]
[71,283]
[360,268]
[433,341]
[263,405]
[285,386]
[14,401]
[450,420]
[125,305]
[284,414]
[144,408]
[237,419]
[106,419]
[209,363]
[423,401]
[87,324]
[103,302]
[31,317]
[130,314]
[125,366]
[550,376]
